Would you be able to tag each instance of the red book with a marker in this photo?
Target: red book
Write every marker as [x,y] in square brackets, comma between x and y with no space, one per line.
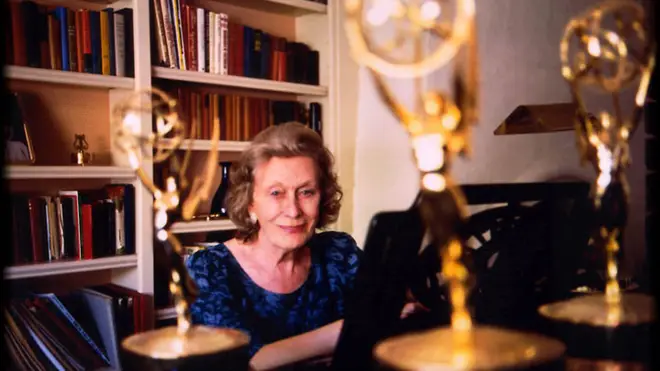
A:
[86,212]
[18,34]
[36,229]
[79,40]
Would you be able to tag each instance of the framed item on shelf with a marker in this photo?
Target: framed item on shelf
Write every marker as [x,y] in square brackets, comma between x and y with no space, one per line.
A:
[18,143]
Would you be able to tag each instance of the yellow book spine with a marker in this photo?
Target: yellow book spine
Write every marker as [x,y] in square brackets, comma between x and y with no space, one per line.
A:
[105,44]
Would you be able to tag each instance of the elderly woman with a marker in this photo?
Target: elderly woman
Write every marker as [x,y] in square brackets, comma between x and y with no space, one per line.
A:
[279,279]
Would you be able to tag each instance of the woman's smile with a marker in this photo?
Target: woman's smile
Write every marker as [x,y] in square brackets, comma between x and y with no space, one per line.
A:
[293,229]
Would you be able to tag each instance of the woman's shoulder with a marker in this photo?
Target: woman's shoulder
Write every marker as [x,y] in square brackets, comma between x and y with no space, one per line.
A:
[212,256]
[338,248]
[335,240]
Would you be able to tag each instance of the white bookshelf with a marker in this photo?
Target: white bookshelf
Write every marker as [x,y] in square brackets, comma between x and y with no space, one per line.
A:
[205,145]
[165,313]
[318,25]
[68,172]
[239,82]
[76,102]
[288,7]
[68,267]
[68,78]
[197,226]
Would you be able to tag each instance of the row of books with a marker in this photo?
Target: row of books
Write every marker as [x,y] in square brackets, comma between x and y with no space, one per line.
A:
[189,37]
[67,39]
[78,330]
[73,224]
[240,117]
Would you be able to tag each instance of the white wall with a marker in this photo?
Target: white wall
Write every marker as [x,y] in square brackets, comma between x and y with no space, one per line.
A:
[519,64]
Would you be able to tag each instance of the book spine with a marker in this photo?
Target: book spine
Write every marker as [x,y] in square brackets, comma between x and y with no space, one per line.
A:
[217,47]
[58,304]
[168,27]
[120,44]
[105,44]
[53,41]
[71,40]
[192,37]
[224,44]
[80,48]
[88,61]
[201,36]
[95,38]
[160,34]
[212,43]
[111,41]
[207,41]
[19,41]
[180,44]
[64,37]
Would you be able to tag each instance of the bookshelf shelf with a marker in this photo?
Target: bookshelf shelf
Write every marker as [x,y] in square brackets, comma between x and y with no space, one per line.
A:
[69,172]
[67,267]
[68,78]
[202,226]
[165,313]
[205,145]
[287,7]
[238,82]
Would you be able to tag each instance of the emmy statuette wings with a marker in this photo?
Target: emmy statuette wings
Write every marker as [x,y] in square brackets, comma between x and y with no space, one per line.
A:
[184,339]
[439,129]
[607,51]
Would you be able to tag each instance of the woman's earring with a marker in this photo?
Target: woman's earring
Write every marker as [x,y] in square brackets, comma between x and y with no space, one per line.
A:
[253,218]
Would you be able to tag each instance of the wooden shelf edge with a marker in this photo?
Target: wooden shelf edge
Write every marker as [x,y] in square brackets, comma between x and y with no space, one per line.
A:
[301,6]
[238,82]
[68,78]
[205,145]
[67,267]
[165,313]
[287,7]
[202,226]
[68,172]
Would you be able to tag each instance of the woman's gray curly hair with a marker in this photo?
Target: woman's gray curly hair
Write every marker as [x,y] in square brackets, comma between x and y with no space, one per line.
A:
[289,139]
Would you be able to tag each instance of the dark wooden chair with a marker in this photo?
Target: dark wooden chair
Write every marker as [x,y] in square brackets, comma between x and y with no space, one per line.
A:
[527,254]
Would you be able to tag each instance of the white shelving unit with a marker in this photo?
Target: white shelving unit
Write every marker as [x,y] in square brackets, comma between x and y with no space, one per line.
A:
[68,267]
[165,313]
[287,7]
[205,145]
[202,226]
[68,78]
[68,172]
[91,113]
[315,24]
[239,82]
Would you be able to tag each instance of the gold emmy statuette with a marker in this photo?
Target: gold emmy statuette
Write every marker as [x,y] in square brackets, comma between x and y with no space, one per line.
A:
[184,346]
[80,156]
[386,37]
[607,58]
[607,51]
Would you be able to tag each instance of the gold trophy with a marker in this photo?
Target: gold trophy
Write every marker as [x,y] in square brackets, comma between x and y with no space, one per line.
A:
[184,346]
[81,156]
[607,59]
[382,33]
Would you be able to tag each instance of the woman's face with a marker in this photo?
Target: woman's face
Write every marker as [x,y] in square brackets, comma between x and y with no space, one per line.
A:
[286,201]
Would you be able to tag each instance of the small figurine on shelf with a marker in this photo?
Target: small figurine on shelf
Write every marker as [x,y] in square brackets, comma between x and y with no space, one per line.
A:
[81,156]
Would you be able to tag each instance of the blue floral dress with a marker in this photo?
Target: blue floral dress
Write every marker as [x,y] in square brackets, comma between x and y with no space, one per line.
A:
[229,298]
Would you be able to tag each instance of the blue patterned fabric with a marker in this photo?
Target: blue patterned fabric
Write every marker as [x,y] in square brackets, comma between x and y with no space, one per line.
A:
[229,298]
